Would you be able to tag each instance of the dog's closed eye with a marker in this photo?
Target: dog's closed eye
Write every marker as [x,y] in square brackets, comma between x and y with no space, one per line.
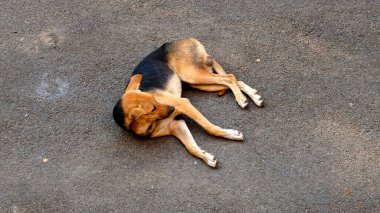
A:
[147,107]
[135,113]
[150,128]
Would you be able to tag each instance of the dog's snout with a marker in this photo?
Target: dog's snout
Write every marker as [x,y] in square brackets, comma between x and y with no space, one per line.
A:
[171,109]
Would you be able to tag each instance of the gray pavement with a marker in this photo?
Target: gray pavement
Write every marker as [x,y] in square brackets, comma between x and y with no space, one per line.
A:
[314,147]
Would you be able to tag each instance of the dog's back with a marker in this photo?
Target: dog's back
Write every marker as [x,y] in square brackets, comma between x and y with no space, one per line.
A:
[155,70]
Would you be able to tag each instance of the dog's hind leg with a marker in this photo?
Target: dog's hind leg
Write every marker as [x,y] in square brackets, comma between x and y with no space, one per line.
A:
[201,76]
[221,89]
[210,88]
[211,63]
[252,93]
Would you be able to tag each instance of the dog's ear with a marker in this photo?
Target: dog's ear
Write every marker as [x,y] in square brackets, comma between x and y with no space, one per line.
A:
[134,83]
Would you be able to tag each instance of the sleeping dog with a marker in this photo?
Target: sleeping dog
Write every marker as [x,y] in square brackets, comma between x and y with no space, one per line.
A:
[152,98]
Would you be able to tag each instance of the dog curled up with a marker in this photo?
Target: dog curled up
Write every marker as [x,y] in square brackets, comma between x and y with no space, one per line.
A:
[152,98]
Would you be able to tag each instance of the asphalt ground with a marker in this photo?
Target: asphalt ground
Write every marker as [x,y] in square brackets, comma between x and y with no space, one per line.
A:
[314,147]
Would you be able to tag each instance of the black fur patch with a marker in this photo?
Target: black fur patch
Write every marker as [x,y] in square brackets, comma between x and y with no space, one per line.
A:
[154,69]
[118,114]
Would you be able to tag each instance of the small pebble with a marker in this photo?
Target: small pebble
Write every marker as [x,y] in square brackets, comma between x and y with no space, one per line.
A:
[45,160]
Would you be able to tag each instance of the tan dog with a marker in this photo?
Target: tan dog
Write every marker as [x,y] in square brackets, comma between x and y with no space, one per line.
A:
[152,98]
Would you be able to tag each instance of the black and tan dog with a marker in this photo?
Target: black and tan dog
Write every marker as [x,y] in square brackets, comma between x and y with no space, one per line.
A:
[152,99]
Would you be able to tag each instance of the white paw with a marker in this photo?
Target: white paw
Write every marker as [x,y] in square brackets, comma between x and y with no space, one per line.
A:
[210,159]
[257,99]
[243,102]
[234,135]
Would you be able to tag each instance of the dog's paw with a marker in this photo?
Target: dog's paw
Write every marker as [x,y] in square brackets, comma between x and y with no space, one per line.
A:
[210,159]
[257,99]
[234,135]
[243,102]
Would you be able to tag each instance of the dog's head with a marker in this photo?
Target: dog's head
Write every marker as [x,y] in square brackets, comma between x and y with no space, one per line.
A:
[139,111]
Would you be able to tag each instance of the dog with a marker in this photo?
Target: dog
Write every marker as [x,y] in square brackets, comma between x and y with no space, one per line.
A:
[152,99]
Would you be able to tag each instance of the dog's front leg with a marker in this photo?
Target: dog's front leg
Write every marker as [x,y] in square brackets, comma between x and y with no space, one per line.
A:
[183,106]
[179,129]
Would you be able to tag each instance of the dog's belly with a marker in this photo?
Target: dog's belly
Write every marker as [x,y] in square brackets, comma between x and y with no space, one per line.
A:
[174,86]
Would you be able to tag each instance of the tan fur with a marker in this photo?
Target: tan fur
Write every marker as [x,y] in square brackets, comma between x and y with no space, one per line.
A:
[174,86]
